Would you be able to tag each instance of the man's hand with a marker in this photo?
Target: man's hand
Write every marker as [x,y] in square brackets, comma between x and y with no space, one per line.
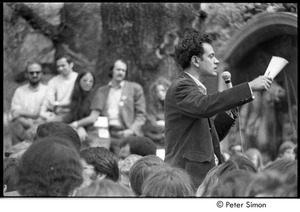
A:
[26,122]
[74,124]
[261,83]
[82,133]
[48,116]
[16,114]
[126,133]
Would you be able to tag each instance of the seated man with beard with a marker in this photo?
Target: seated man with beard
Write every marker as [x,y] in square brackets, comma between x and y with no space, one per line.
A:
[26,104]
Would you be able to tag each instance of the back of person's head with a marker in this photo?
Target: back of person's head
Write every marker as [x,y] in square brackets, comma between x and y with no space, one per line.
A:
[50,167]
[59,129]
[141,169]
[190,45]
[282,165]
[103,161]
[267,183]
[235,162]
[104,188]
[10,177]
[291,181]
[286,150]
[231,184]
[125,166]
[211,178]
[140,145]
[167,181]
[288,170]
[244,163]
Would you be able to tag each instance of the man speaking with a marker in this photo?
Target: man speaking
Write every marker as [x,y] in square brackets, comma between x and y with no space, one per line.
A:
[192,135]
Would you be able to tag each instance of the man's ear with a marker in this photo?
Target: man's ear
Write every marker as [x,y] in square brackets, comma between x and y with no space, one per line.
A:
[195,61]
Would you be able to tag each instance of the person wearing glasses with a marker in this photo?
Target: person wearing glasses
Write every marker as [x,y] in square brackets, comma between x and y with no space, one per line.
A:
[26,104]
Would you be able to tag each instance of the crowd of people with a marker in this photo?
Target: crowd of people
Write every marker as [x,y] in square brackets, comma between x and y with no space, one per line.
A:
[58,150]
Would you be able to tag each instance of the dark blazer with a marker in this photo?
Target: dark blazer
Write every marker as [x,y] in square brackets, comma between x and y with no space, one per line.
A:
[132,105]
[192,133]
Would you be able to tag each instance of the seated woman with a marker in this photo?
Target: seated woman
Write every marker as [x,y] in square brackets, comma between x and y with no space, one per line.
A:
[155,124]
[80,107]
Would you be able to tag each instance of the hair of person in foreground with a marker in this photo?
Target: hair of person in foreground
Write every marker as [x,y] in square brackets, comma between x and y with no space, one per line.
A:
[271,183]
[233,184]
[138,145]
[50,167]
[167,181]
[102,160]
[125,166]
[59,129]
[105,188]
[9,173]
[140,170]
[235,162]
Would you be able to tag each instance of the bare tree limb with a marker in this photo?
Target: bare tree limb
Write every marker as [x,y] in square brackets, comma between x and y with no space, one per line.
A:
[36,22]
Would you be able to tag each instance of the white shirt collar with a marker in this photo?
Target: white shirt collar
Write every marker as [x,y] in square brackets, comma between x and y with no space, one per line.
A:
[201,86]
[120,86]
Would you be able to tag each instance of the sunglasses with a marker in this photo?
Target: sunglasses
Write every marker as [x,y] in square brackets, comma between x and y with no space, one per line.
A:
[34,72]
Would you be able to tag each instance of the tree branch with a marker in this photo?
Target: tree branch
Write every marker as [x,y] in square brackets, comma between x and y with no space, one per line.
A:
[36,22]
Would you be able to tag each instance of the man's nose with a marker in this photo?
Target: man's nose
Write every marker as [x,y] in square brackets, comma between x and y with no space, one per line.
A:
[217,61]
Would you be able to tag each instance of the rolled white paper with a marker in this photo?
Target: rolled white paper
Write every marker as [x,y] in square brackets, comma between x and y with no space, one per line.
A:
[275,66]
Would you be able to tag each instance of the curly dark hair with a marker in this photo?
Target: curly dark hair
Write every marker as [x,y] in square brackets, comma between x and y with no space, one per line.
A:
[103,161]
[191,44]
[50,167]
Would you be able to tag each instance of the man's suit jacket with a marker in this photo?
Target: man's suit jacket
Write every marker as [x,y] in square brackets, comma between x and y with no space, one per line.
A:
[192,136]
[132,105]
